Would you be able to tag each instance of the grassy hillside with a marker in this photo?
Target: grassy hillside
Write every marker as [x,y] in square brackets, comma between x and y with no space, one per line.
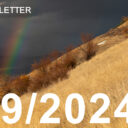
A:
[106,73]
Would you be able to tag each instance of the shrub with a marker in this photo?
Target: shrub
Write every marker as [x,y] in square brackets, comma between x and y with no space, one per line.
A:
[124,31]
[58,71]
[69,49]
[40,80]
[91,50]
[54,55]
[4,79]
[42,65]
[46,61]
[19,85]
[43,79]
[69,59]
[44,76]
[3,91]
[86,37]
[52,72]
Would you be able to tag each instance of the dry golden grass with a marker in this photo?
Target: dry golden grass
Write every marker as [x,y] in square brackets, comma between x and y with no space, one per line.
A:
[105,73]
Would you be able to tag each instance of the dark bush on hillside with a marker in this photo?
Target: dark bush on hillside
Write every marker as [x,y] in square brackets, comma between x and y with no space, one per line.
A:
[19,85]
[54,55]
[125,31]
[91,50]
[42,80]
[39,81]
[3,91]
[42,65]
[52,72]
[59,72]
[69,49]
[86,37]
[69,61]
[46,61]
[3,80]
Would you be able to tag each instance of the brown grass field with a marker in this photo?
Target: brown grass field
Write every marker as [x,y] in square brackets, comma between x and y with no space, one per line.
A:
[107,72]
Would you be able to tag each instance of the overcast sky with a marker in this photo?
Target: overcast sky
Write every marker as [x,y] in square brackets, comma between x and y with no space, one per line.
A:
[55,24]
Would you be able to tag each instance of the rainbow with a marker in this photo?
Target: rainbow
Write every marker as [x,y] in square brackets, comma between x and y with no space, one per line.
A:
[14,44]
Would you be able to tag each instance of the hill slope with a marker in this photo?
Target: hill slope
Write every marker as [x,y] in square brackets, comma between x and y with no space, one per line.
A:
[110,38]
[105,73]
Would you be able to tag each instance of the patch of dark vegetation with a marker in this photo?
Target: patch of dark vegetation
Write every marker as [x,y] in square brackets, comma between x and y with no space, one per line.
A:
[50,69]
[19,85]
[89,49]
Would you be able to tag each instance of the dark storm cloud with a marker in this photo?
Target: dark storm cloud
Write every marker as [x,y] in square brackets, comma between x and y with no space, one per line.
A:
[55,24]
[59,23]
